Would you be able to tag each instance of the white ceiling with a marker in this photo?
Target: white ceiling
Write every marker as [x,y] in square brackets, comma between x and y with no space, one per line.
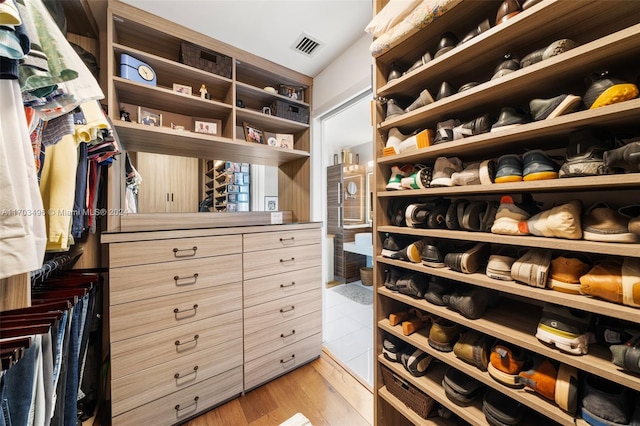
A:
[268,28]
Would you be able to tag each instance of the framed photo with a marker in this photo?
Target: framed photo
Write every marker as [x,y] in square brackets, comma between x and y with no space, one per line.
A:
[149,118]
[271,204]
[285,140]
[292,92]
[253,134]
[181,88]
[210,127]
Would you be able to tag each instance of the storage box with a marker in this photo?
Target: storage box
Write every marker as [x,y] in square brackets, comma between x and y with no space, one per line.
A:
[290,111]
[415,399]
[205,59]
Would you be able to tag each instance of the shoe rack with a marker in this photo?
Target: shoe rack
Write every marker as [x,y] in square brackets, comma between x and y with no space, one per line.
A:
[608,38]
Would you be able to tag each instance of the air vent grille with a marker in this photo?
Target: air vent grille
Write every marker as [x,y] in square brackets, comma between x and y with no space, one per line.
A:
[306,45]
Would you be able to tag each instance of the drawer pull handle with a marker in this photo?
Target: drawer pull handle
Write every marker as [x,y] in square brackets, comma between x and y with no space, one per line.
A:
[195,370]
[177,311]
[284,361]
[195,403]
[283,310]
[177,278]
[290,334]
[293,259]
[288,285]
[282,240]
[195,339]
[176,252]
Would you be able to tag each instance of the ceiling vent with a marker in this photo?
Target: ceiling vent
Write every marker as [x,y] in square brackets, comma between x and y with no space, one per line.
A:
[306,45]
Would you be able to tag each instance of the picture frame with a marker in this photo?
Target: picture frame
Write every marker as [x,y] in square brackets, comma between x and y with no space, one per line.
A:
[295,93]
[253,134]
[271,203]
[207,126]
[149,118]
[182,88]
[285,140]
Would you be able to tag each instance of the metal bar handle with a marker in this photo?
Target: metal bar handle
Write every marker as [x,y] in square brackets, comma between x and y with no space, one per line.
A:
[176,251]
[177,278]
[288,285]
[287,239]
[284,361]
[287,335]
[293,259]
[283,310]
[195,403]
[194,309]
[195,339]
[195,370]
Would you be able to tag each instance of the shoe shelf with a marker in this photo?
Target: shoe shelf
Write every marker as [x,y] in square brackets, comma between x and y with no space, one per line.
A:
[516,322]
[431,384]
[529,30]
[616,249]
[545,133]
[420,340]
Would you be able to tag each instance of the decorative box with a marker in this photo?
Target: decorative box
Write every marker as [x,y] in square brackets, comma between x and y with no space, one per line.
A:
[204,59]
[290,111]
[135,70]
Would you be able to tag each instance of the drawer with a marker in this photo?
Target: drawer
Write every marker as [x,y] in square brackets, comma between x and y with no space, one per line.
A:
[282,335]
[170,250]
[139,282]
[277,261]
[142,352]
[276,312]
[146,316]
[276,363]
[144,386]
[280,239]
[265,289]
[181,405]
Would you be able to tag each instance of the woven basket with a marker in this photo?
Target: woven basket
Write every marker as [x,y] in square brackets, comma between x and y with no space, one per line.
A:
[205,59]
[407,393]
[366,276]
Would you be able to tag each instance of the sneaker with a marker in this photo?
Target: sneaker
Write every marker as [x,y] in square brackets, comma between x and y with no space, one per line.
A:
[537,165]
[433,254]
[482,27]
[509,118]
[438,288]
[565,328]
[546,109]
[506,361]
[455,212]
[444,334]
[392,245]
[392,347]
[585,153]
[500,410]
[606,90]
[627,355]
[602,223]
[420,62]
[510,214]
[499,267]
[532,268]
[448,41]
[423,99]
[509,169]
[394,138]
[419,179]
[605,402]
[470,260]
[412,252]
[478,216]
[415,361]
[508,9]
[469,176]
[418,139]
[474,348]
[509,64]
[396,211]
[563,221]
[443,169]
[477,126]
[625,158]
[614,281]
[445,90]
[565,273]
[444,130]
[393,109]
[416,215]
[412,284]
[397,173]
[556,384]
[470,301]
[437,213]
[555,48]
[632,212]
[460,388]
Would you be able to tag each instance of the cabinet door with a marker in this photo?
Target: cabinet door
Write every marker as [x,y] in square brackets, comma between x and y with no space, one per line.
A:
[182,174]
[334,198]
[153,196]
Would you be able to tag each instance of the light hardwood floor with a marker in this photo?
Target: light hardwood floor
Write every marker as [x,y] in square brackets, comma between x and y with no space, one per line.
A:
[322,391]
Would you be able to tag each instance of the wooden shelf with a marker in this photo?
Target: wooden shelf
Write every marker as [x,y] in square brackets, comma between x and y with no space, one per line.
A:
[616,249]
[269,123]
[138,137]
[516,322]
[246,90]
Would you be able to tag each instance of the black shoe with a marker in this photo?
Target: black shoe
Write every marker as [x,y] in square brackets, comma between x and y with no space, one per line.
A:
[433,254]
[469,260]
[585,153]
[626,158]
[468,86]
[396,211]
[412,284]
[555,48]
[510,117]
[392,245]
[416,215]
[444,130]
[447,43]
[391,276]
[438,213]
[438,288]
[482,27]
[477,126]
[445,90]
[453,217]
[509,64]
[394,73]
[607,90]
[420,62]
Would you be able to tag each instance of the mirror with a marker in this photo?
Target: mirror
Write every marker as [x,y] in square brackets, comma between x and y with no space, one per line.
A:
[353,198]
[352,188]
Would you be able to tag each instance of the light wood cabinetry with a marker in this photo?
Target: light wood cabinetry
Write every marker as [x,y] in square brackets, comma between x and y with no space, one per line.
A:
[608,38]
[158,43]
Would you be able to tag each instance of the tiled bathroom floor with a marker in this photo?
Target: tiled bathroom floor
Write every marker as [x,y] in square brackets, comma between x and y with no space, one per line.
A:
[348,332]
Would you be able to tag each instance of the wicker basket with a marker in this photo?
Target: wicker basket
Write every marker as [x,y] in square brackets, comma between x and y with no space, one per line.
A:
[366,276]
[205,59]
[407,393]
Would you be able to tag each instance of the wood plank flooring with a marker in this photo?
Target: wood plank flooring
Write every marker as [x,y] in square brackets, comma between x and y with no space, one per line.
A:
[322,391]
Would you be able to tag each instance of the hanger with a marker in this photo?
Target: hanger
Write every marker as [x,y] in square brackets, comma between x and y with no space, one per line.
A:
[9,332]
[39,306]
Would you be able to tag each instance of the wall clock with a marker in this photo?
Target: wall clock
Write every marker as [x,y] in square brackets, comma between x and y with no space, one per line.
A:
[135,70]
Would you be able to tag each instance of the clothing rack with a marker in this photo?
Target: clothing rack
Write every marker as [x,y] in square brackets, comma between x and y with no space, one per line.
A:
[50,266]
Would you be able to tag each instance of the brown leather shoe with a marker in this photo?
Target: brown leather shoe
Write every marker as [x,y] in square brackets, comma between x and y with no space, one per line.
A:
[604,280]
[565,274]
[508,9]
